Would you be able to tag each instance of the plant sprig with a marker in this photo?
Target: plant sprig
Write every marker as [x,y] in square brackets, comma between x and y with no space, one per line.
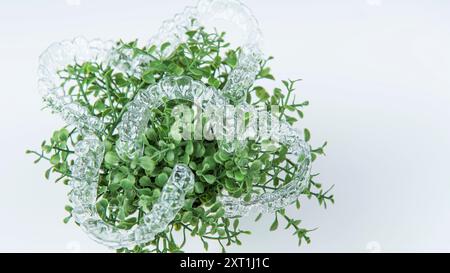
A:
[128,189]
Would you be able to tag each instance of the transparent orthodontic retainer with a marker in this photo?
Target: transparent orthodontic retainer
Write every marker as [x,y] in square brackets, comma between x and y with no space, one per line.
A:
[89,153]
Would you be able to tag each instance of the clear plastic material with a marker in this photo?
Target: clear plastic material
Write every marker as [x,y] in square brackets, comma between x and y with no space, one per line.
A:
[90,151]
[136,119]
[57,57]
[300,153]
[83,196]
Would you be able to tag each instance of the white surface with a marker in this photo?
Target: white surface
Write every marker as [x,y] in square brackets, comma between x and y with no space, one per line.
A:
[376,74]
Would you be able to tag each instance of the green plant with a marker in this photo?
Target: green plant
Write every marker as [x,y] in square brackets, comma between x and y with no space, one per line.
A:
[128,188]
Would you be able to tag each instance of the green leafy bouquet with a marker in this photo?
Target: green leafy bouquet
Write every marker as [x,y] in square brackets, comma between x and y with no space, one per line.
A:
[128,188]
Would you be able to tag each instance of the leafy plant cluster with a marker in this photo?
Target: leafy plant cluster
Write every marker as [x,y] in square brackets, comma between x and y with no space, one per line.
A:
[129,188]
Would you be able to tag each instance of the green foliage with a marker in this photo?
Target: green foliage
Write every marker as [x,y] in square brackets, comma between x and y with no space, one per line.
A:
[129,188]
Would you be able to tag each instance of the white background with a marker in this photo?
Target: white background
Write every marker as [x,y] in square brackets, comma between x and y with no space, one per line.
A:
[377,76]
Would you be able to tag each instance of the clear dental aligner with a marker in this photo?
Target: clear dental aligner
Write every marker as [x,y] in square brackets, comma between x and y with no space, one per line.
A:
[136,119]
[89,152]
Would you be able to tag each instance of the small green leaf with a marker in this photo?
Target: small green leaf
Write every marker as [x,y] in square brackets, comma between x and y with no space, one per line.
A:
[187,217]
[99,106]
[214,82]
[224,156]
[178,70]
[236,224]
[210,179]
[248,197]
[196,72]
[239,176]
[258,217]
[170,156]
[189,148]
[274,226]
[127,184]
[202,229]
[199,187]
[278,93]
[147,164]
[205,245]
[47,173]
[67,219]
[307,135]
[164,46]
[261,93]
[161,179]
[113,187]
[111,158]
[291,120]
[216,207]
[68,208]
[199,149]
[148,77]
[256,165]
[265,73]
[120,80]
[220,213]
[102,206]
[231,59]
[145,181]
[191,33]
[63,134]
[156,193]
